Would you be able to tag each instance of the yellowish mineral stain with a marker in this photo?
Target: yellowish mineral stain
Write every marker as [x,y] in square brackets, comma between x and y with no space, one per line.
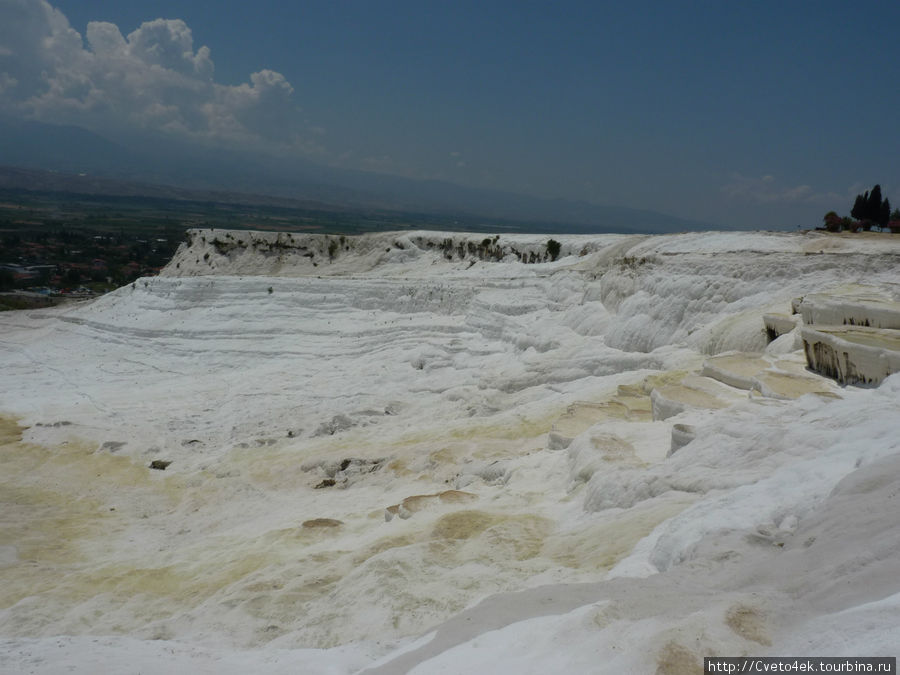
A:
[602,545]
[320,523]
[67,509]
[145,548]
[748,622]
[463,524]
[676,659]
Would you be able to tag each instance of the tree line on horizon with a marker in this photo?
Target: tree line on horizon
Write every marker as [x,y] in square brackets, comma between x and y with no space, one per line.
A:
[869,210]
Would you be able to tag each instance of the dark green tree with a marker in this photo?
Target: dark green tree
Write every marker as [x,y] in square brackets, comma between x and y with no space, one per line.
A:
[859,206]
[869,208]
[873,208]
[884,215]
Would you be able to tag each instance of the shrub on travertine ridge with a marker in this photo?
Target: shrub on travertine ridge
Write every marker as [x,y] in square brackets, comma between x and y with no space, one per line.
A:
[553,248]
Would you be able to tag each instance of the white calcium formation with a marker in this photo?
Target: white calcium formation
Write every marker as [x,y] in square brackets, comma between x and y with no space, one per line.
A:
[441,452]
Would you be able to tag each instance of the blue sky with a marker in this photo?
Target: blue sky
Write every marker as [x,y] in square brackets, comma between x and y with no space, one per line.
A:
[755,114]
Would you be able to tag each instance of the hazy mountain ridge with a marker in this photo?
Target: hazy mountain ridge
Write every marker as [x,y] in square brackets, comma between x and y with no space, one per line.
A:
[153,169]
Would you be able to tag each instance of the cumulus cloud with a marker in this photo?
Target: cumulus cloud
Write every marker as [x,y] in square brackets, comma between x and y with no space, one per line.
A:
[767,190]
[154,79]
[168,44]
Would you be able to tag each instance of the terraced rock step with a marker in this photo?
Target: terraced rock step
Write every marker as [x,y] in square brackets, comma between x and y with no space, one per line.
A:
[693,392]
[852,355]
[722,382]
[783,385]
[864,307]
[630,403]
[851,334]
[737,370]
[773,377]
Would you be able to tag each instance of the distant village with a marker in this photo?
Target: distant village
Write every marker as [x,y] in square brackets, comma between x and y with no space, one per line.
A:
[41,266]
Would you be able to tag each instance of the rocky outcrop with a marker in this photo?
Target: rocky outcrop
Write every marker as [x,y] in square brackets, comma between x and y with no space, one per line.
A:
[863,308]
[852,355]
[852,336]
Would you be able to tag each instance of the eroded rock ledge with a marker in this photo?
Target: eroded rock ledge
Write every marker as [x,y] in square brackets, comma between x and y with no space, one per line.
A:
[851,337]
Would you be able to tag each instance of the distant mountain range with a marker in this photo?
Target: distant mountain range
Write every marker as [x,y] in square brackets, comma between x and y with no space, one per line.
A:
[73,159]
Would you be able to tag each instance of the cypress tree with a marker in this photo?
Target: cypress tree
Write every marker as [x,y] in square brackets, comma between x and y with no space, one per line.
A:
[885,216]
[859,206]
[873,210]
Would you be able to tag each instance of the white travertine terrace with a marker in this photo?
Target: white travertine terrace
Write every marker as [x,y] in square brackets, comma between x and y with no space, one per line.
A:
[852,355]
[597,464]
[852,334]
[865,307]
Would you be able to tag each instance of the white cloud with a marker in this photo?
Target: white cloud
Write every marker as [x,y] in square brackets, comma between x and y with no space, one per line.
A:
[169,44]
[766,190]
[153,79]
